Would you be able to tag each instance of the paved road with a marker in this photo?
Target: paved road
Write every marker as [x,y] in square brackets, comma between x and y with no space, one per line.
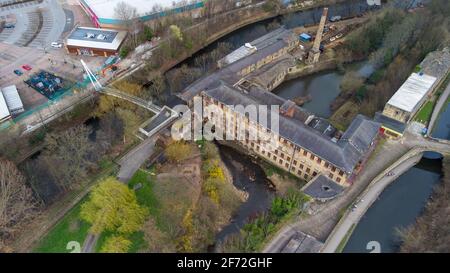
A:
[89,243]
[322,224]
[326,215]
[365,201]
[132,161]
[437,109]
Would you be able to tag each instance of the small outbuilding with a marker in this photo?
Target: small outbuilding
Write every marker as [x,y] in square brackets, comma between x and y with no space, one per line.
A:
[95,42]
[13,100]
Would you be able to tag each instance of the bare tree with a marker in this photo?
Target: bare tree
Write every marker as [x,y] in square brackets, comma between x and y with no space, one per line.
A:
[72,149]
[17,204]
[129,17]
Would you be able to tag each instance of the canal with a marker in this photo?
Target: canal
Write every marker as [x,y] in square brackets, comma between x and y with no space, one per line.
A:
[442,129]
[322,87]
[397,207]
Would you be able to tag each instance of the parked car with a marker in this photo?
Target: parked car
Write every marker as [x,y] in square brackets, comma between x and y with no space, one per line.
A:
[335,18]
[18,72]
[56,45]
[9,25]
[27,67]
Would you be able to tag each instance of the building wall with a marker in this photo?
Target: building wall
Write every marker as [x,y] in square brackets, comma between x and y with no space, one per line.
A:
[91,51]
[286,155]
[397,114]
[268,59]
[115,23]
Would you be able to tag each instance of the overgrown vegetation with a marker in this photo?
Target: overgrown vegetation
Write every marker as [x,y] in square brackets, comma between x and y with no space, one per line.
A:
[430,233]
[258,230]
[394,42]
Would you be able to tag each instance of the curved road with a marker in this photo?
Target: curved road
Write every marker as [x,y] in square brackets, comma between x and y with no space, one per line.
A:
[392,156]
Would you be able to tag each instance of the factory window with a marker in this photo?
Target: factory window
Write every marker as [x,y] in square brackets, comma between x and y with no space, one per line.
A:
[295,162]
[319,160]
[305,153]
[327,164]
[341,173]
[301,166]
[308,170]
[338,180]
[312,157]
[288,158]
[333,169]
[331,176]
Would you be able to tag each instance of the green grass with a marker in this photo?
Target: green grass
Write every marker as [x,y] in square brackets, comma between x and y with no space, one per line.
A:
[425,113]
[70,228]
[344,241]
[145,195]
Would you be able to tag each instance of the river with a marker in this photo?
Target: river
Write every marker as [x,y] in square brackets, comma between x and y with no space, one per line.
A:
[260,194]
[323,88]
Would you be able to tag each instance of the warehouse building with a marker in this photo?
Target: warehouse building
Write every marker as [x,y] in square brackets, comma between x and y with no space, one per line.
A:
[95,42]
[13,100]
[410,97]
[102,12]
[4,111]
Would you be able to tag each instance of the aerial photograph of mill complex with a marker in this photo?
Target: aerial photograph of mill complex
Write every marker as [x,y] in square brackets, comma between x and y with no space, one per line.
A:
[224,126]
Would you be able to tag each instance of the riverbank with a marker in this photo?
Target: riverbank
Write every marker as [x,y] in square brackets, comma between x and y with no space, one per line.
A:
[430,233]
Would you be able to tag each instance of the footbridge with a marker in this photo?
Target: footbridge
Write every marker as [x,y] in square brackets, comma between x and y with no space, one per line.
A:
[149,105]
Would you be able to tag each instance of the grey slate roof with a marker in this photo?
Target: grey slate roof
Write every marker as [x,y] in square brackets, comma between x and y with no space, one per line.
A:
[437,63]
[390,123]
[342,154]
[228,74]
[323,188]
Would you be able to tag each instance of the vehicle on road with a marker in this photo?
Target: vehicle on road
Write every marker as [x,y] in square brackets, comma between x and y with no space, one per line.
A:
[27,67]
[18,72]
[9,26]
[56,45]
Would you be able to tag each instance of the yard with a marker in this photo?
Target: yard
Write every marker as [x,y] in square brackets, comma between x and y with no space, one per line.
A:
[72,228]
[69,229]
[425,113]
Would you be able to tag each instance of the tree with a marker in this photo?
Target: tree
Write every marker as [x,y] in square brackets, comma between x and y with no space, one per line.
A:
[128,15]
[17,203]
[116,244]
[72,150]
[176,32]
[113,207]
[178,151]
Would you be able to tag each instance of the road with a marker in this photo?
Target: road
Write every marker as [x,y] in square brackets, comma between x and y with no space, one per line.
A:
[133,160]
[392,155]
[326,215]
[365,201]
[437,109]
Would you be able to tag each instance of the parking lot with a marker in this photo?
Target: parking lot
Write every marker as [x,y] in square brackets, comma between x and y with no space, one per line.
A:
[36,24]
[27,49]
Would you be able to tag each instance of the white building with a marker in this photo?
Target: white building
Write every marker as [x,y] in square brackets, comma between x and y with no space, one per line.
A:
[103,14]
[13,100]
[410,97]
[4,111]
